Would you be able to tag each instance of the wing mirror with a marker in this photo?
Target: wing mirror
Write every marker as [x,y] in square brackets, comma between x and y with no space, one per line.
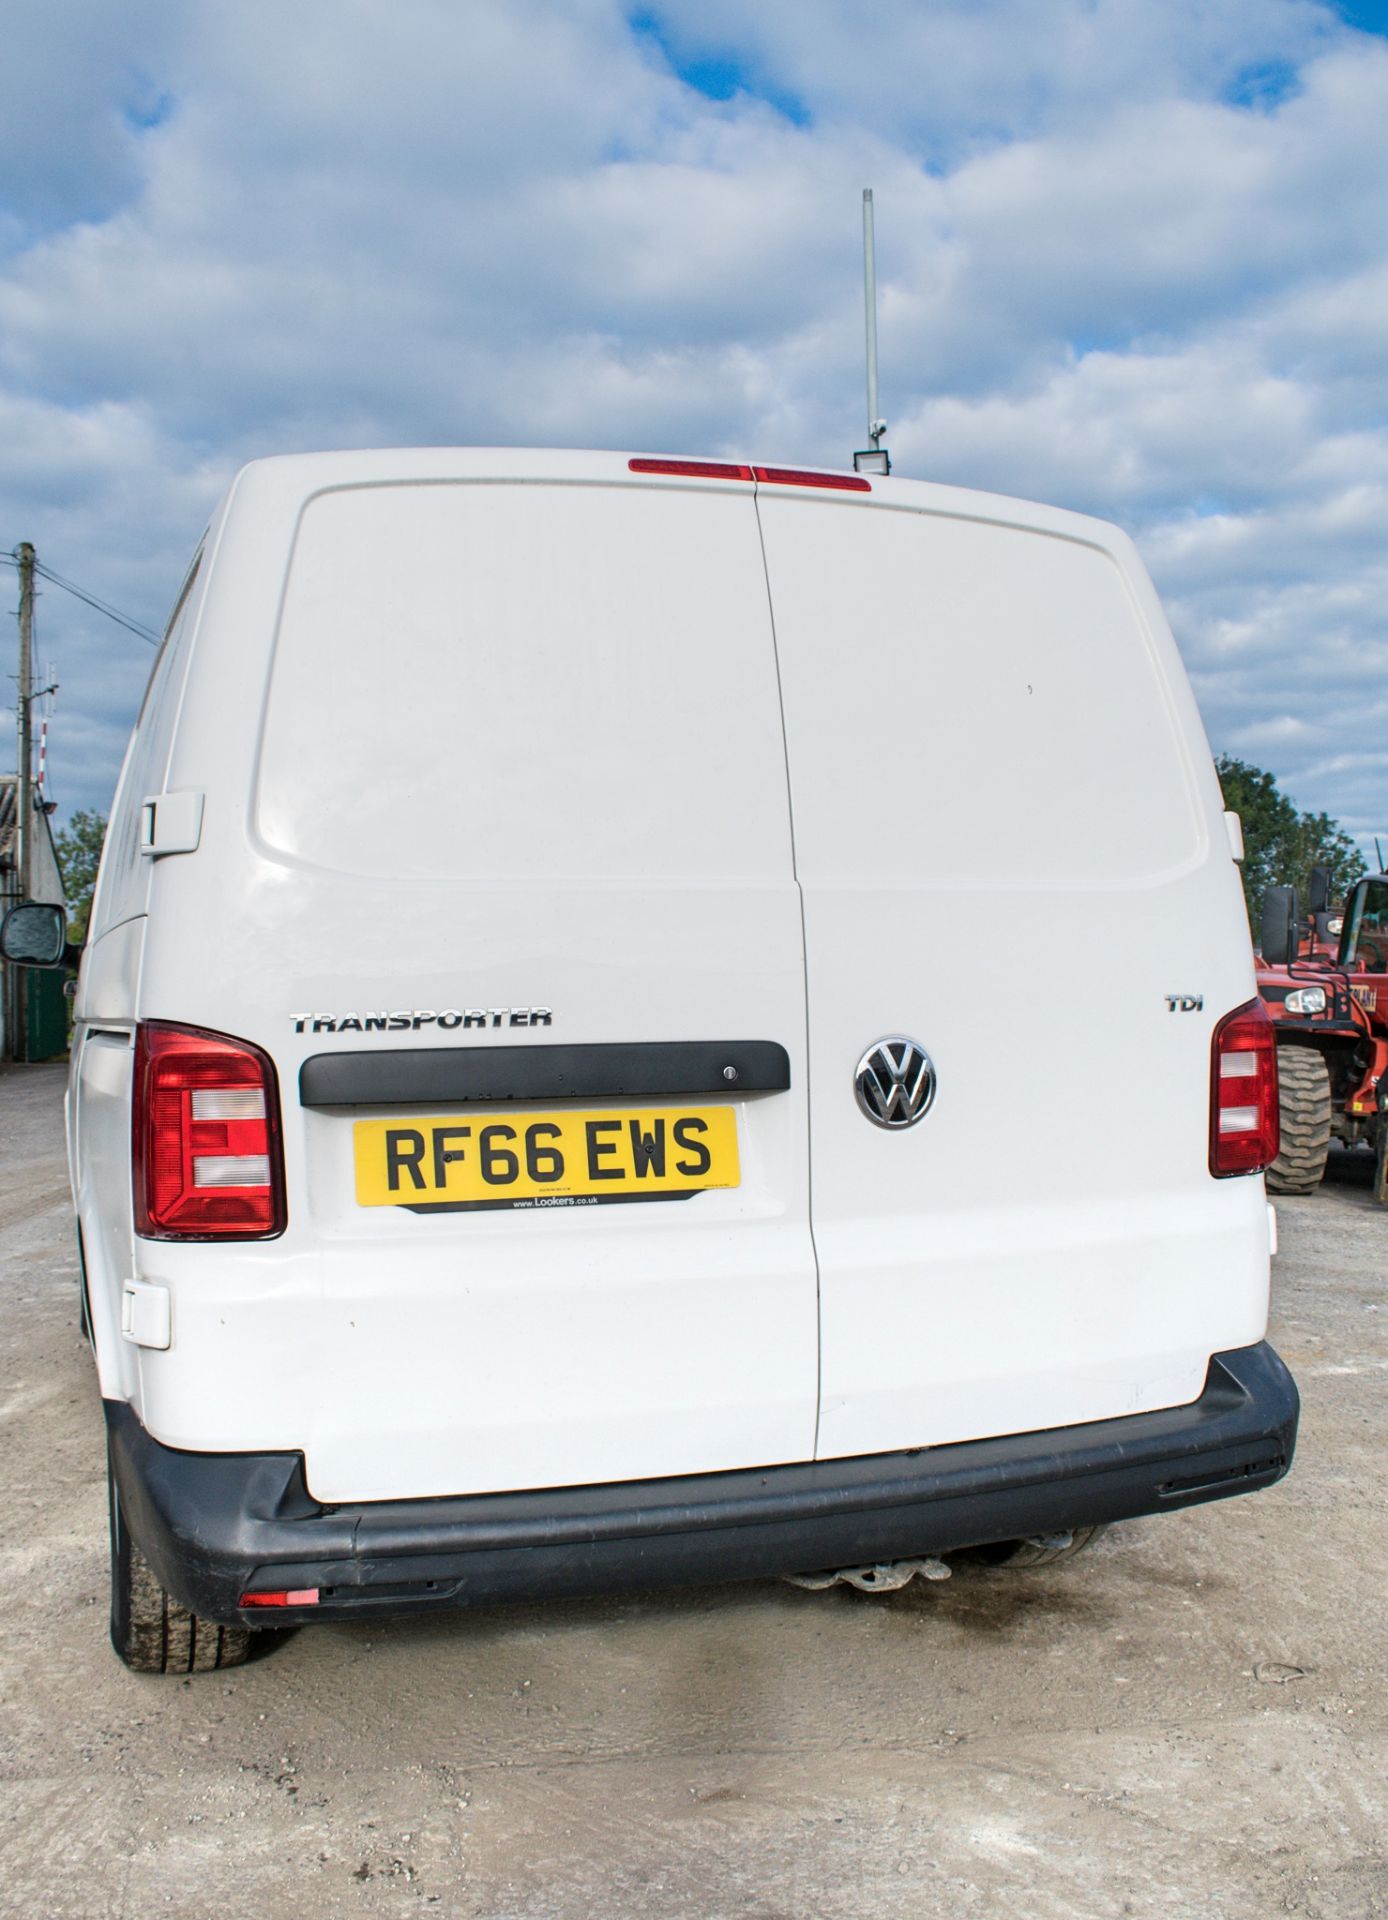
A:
[34,935]
[1279,941]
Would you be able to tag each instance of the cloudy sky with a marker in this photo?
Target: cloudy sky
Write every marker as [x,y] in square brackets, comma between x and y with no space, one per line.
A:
[1132,257]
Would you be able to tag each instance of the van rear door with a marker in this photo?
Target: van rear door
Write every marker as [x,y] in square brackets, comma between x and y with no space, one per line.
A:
[521,785]
[1006,856]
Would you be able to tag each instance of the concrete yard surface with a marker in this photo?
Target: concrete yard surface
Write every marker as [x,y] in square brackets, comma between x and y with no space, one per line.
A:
[1189,1720]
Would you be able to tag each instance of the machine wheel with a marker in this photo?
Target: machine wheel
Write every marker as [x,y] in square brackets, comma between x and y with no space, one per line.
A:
[150,1631]
[1043,1551]
[1304,1110]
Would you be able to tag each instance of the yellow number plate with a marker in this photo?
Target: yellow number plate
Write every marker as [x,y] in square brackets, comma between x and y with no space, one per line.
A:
[532,1159]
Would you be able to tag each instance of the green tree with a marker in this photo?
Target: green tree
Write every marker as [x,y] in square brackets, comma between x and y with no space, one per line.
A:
[1281,845]
[79,854]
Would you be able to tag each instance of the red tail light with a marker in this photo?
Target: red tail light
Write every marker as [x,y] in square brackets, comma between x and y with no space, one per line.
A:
[1243,1092]
[294,1597]
[207,1153]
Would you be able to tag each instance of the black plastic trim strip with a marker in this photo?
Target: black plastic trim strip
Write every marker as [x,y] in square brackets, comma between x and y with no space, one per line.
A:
[217,1525]
[423,1075]
[1316,1027]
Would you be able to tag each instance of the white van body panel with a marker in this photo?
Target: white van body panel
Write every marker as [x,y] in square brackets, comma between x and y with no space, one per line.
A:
[396,850]
[122,889]
[827,760]
[1046,1246]
[100,1148]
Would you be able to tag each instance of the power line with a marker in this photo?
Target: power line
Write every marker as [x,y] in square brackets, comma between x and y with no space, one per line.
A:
[102,606]
[140,631]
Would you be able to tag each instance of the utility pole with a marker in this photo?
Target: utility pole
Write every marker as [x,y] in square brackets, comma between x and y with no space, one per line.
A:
[16,1013]
[24,797]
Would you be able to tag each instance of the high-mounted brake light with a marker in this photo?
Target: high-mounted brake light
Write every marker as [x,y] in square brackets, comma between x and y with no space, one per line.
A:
[692,469]
[208,1161]
[1243,1092]
[804,477]
[773,476]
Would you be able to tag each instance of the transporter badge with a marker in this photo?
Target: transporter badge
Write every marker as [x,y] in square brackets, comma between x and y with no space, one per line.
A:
[895,1082]
[415,1020]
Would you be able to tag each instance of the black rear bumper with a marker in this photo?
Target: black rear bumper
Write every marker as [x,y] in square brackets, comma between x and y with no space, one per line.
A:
[215,1526]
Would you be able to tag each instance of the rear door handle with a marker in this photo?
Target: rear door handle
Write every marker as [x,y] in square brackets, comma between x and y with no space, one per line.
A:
[170,823]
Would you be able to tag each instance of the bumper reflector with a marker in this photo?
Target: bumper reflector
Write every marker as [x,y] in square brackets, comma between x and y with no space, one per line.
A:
[295,1597]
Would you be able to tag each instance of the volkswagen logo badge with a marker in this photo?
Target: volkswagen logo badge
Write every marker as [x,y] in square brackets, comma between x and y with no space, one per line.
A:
[895,1082]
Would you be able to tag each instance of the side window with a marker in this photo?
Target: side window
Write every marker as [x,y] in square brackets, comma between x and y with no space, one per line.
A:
[123,885]
[1369,933]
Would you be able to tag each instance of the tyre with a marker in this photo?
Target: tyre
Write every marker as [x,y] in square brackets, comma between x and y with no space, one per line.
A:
[1304,1111]
[150,1631]
[1042,1551]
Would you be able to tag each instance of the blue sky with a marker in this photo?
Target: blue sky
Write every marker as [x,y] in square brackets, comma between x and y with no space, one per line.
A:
[1132,259]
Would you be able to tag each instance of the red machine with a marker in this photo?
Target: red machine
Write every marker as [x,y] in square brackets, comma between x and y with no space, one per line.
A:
[1324,981]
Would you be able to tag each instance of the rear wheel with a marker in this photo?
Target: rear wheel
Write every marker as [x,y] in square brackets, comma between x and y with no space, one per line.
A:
[1042,1550]
[1304,1114]
[150,1631]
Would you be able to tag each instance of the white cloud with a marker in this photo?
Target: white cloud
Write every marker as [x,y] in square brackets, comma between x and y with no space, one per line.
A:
[949,77]
[1132,258]
[80,87]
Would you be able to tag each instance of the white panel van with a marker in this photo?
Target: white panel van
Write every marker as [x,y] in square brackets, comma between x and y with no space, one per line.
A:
[658,1020]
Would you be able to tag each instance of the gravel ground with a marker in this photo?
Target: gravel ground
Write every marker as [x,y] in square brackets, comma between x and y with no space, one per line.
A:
[1190,1720]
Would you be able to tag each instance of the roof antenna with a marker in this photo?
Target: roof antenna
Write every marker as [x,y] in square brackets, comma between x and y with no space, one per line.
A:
[873,459]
